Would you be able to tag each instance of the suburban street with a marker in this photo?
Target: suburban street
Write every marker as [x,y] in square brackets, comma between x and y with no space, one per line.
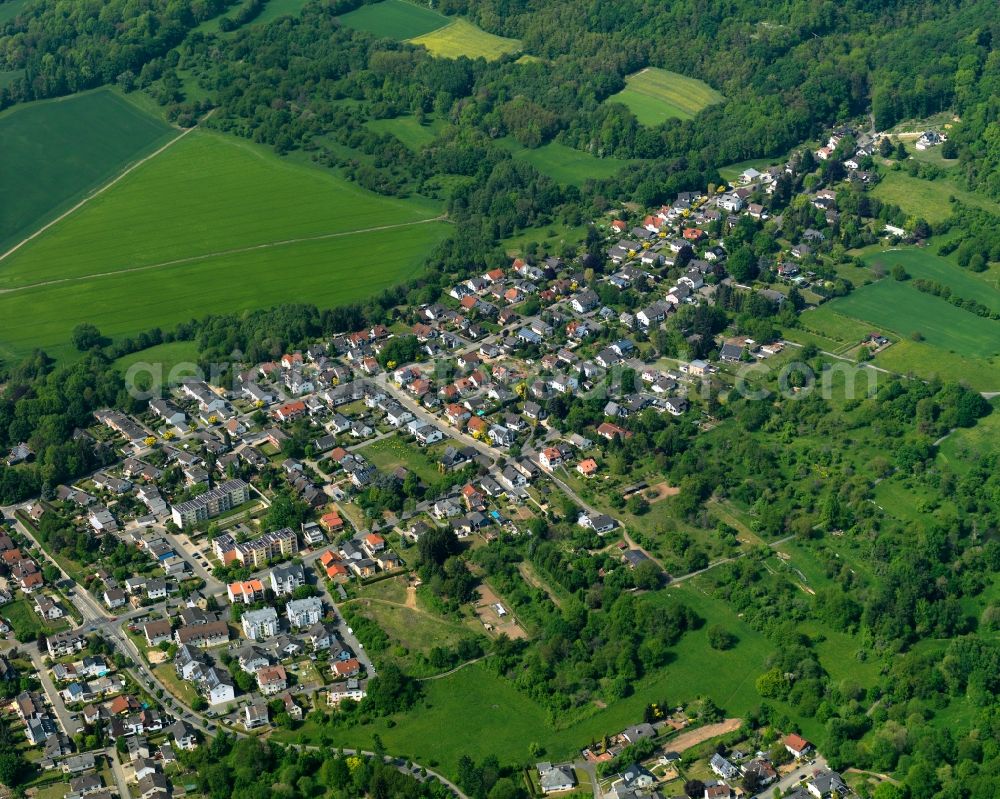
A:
[789,781]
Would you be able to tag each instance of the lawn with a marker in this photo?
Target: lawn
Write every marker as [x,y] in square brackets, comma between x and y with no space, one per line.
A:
[22,617]
[56,151]
[565,164]
[731,172]
[213,224]
[181,689]
[927,198]
[462,38]
[417,630]
[394,19]
[409,130]
[925,360]
[655,95]
[388,454]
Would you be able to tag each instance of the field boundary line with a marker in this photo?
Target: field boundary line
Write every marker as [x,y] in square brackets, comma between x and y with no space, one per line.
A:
[218,254]
[96,193]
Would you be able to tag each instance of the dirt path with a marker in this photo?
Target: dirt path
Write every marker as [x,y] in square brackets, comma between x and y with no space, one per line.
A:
[411,598]
[205,256]
[96,193]
[459,667]
[531,578]
[688,739]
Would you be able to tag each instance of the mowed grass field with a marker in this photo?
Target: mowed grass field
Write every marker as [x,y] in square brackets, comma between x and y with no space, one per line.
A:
[56,151]
[655,95]
[212,224]
[462,38]
[924,263]
[903,309]
[11,9]
[968,445]
[394,19]
[565,164]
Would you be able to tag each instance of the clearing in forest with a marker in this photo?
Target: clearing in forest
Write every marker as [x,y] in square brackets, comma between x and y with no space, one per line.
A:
[655,95]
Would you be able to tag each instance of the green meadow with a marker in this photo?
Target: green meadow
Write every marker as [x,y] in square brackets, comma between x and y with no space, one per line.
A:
[565,164]
[508,721]
[655,95]
[409,130]
[11,9]
[56,151]
[326,272]
[930,199]
[924,263]
[212,224]
[394,19]
[901,308]
[446,37]
[208,194]
[953,344]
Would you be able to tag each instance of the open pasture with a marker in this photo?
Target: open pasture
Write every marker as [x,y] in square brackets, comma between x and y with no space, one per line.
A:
[924,263]
[56,151]
[409,130]
[930,199]
[901,308]
[565,164]
[655,95]
[327,272]
[394,19]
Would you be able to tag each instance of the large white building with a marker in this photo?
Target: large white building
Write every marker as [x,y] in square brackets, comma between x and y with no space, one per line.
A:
[304,612]
[260,624]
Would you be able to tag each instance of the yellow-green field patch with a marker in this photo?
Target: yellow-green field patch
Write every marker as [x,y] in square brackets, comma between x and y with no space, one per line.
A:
[655,95]
[462,38]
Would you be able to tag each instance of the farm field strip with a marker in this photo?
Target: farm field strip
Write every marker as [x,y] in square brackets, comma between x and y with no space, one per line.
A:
[93,195]
[443,36]
[923,264]
[207,195]
[394,19]
[326,272]
[208,256]
[59,151]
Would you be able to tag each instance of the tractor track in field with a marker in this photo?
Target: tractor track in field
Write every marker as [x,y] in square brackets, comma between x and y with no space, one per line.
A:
[204,256]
